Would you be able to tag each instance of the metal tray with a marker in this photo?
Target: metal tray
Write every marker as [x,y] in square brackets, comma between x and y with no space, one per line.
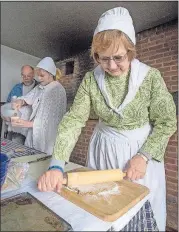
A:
[23,212]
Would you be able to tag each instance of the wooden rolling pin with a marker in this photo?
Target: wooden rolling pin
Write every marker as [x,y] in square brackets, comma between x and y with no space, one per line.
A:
[92,177]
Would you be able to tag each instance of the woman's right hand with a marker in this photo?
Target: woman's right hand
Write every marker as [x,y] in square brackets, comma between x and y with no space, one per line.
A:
[51,180]
[17,104]
[7,119]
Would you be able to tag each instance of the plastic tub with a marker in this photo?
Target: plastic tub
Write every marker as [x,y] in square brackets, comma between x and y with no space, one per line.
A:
[7,111]
[4,167]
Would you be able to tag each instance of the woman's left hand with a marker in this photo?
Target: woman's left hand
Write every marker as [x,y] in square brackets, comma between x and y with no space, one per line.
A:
[17,104]
[136,168]
[22,123]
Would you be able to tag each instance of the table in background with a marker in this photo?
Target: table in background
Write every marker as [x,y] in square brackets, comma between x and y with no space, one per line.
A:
[10,146]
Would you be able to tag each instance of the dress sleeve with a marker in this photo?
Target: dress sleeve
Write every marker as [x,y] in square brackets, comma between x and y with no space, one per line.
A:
[162,116]
[74,120]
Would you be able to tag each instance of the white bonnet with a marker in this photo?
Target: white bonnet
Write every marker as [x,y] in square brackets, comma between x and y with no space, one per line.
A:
[117,18]
[47,64]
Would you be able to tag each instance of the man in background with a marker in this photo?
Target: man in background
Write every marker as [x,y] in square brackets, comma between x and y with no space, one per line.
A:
[20,89]
[27,84]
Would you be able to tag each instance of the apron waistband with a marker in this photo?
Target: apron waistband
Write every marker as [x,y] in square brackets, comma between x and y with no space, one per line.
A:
[135,134]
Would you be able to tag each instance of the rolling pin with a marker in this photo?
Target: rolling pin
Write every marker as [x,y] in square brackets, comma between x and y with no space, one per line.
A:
[92,177]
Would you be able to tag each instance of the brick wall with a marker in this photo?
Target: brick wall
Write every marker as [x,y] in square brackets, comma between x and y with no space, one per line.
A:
[81,148]
[156,47]
[82,63]
[171,169]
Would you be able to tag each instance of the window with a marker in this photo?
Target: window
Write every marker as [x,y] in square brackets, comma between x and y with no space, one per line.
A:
[69,67]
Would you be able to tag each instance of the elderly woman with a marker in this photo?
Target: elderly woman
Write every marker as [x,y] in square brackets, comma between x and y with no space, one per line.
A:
[136,113]
[48,101]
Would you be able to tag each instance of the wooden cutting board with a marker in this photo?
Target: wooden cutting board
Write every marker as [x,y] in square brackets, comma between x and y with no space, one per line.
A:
[108,207]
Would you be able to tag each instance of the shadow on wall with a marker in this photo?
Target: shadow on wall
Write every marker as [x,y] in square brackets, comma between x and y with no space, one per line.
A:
[175,98]
[2,103]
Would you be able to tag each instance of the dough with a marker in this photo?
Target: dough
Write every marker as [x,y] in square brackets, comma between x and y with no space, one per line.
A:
[98,189]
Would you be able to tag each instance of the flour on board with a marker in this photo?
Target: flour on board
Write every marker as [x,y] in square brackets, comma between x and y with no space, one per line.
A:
[103,189]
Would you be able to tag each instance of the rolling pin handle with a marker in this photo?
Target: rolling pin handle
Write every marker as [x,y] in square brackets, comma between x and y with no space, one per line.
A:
[65,179]
[124,174]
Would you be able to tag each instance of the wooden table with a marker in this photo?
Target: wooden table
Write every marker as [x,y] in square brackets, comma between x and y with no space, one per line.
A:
[79,219]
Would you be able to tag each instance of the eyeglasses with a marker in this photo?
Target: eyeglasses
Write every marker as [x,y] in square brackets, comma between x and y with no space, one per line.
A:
[28,76]
[117,59]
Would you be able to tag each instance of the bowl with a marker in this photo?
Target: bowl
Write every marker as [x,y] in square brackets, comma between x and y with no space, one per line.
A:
[7,111]
[4,167]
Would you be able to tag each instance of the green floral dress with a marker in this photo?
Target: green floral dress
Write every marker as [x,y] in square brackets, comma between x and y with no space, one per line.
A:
[152,103]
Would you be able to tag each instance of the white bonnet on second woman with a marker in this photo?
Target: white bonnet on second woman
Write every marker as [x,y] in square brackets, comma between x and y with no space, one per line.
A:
[48,65]
[117,18]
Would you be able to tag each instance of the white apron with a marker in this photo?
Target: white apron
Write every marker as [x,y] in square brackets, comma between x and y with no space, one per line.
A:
[111,149]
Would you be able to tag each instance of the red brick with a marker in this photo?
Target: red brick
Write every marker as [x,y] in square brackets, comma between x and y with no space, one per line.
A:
[174,88]
[144,41]
[160,41]
[151,63]
[167,44]
[153,38]
[174,78]
[172,180]
[169,32]
[175,57]
[145,34]
[171,148]
[172,201]
[155,56]
[166,79]
[144,50]
[172,186]
[165,69]
[170,160]
[151,44]
[144,54]
[174,47]
[171,173]
[173,193]
[171,154]
[174,84]
[174,37]
[154,48]
[174,68]
[158,65]
[172,73]
[171,167]
[171,53]
[162,50]
[164,59]
[173,137]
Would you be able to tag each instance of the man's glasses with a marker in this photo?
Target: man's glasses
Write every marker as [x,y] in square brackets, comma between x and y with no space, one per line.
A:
[117,59]
[28,76]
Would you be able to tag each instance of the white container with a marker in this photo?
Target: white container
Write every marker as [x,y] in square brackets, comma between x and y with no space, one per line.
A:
[13,98]
[7,111]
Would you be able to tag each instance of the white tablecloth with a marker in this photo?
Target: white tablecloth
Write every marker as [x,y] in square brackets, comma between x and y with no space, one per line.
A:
[79,219]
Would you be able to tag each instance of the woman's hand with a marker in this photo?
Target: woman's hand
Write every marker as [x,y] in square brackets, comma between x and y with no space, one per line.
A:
[7,119]
[17,122]
[136,168]
[51,181]
[17,104]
